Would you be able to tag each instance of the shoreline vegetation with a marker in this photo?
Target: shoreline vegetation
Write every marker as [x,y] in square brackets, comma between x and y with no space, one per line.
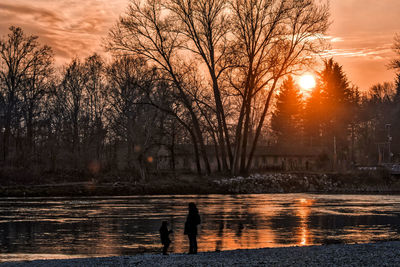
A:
[371,254]
[75,185]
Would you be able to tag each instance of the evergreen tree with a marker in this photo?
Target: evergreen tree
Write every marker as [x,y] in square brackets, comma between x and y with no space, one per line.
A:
[395,119]
[286,120]
[337,100]
[335,85]
[313,118]
[331,112]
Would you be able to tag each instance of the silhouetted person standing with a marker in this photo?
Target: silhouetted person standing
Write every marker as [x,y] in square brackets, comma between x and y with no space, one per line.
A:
[192,220]
[164,234]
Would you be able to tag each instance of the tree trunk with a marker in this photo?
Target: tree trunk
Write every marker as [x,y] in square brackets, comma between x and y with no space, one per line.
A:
[259,127]
[7,133]
[238,139]
[216,152]
[29,132]
[221,122]
[172,150]
[202,149]
[240,128]
[6,139]
[245,138]
[196,151]
[130,145]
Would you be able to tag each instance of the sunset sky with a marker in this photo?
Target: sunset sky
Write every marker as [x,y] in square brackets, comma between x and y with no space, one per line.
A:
[362,31]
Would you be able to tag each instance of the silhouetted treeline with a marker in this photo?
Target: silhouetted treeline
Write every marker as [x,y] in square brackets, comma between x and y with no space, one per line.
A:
[184,72]
[361,127]
[195,73]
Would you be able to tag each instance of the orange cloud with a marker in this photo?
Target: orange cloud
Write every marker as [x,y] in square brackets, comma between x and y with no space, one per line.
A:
[71,28]
[364,31]
[39,15]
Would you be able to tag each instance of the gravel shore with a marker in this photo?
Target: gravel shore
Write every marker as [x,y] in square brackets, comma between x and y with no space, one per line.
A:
[375,254]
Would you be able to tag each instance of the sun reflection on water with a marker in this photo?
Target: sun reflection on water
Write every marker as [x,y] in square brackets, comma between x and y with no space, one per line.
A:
[303,212]
[124,226]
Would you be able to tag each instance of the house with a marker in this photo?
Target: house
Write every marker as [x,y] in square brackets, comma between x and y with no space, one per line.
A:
[265,158]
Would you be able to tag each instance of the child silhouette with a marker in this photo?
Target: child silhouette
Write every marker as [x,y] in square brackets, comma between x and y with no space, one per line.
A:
[164,234]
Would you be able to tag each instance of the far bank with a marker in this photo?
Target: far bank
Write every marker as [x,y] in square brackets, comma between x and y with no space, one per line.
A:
[121,184]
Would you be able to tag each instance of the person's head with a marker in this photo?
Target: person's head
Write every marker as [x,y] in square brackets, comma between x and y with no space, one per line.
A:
[192,207]
[164,224]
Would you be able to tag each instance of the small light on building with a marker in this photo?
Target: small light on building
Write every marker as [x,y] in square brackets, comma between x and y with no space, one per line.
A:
[94,167]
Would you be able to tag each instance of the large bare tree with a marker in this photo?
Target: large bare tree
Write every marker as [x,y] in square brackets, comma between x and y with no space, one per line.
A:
[205,26]
[130,122]
[245,46]
[25,66]
[70,96]
[147,31]
[95,96]
[274,38]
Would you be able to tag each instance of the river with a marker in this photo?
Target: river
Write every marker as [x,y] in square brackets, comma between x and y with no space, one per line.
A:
[48,228]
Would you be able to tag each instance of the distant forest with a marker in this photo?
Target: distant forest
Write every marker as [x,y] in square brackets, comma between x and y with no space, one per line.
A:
[208,74]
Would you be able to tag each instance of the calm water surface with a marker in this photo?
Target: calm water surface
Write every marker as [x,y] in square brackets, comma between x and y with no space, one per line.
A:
[37,228]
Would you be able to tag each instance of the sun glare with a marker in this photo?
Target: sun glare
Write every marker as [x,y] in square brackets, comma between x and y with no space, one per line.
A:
[307,81]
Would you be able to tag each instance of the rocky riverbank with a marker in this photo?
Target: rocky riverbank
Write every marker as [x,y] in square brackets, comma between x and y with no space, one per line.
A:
[310,183]
[376,254]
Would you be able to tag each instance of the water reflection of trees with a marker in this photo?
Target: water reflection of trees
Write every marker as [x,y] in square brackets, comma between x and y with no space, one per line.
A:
[228,222]
[233,224]
[75,228]
[353,228]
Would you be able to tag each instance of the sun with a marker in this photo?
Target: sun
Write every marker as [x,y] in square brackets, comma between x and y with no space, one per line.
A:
[307,81]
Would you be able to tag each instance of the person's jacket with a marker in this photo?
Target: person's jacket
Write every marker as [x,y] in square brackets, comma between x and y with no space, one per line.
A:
[192,220]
